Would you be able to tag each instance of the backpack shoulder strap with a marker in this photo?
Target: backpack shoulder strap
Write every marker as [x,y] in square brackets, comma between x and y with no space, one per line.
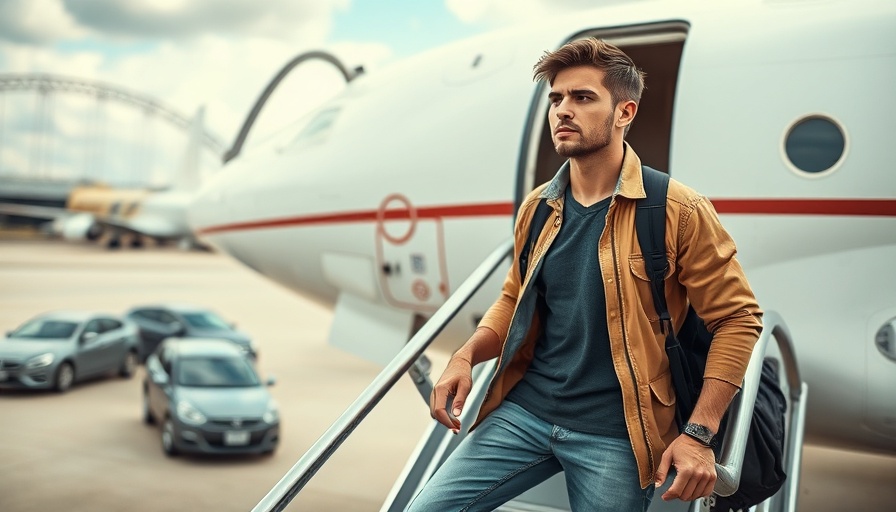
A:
[538,219]
[650,225]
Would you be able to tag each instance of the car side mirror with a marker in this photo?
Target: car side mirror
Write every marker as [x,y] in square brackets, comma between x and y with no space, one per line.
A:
[271,380]
[177,328]
[87,337]
[8,334]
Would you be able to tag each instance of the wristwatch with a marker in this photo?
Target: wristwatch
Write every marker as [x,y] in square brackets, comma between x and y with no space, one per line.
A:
[700,433]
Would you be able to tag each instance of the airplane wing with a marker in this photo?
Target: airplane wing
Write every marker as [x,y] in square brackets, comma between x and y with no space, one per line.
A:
[33,211]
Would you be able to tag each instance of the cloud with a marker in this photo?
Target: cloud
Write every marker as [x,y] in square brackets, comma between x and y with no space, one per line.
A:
[503,12]
[36,21]
[222,62]
[49,21]
[284,19]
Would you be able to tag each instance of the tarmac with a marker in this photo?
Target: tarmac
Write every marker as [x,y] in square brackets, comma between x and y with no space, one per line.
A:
[88,450]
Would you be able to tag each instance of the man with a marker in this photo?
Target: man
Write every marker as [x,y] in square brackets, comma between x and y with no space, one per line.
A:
[582,383]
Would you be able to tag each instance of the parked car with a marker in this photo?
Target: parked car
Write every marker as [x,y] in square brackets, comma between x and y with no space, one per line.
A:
[208,398]
[56,350]
[160,321]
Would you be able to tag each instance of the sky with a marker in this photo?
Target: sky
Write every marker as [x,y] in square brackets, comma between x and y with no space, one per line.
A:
[187,54]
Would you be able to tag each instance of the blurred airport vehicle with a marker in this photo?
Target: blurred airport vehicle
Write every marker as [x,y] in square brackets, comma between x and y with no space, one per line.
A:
[56,350]
[110,214]
[156,322]
[208,398]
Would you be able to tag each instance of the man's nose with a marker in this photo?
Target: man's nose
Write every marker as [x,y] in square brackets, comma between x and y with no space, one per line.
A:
[562,111]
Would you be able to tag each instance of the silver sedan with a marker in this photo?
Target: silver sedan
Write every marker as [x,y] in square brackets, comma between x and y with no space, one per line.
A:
[56,350]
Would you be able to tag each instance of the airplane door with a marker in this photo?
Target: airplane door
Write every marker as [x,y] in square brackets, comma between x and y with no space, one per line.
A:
[410,256]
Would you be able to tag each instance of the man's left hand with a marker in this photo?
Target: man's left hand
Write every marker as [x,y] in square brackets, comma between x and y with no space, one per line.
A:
[695,466]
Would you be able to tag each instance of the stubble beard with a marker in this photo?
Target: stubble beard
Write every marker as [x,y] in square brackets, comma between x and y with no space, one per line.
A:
[591,142]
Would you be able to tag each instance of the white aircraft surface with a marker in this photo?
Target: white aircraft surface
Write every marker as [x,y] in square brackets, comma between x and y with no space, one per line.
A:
[383,200]
[93,212]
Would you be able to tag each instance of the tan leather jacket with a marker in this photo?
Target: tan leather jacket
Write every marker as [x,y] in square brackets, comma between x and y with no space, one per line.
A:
[703,268]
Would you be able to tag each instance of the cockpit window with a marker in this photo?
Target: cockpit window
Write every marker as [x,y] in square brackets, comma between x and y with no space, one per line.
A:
[318,126]
[815,144]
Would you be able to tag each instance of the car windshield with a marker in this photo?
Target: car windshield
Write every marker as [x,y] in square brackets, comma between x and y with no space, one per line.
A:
[45,329]
[215,372]
[205,320]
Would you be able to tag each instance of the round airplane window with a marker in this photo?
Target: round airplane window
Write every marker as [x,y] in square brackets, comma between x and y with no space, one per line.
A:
[815,144]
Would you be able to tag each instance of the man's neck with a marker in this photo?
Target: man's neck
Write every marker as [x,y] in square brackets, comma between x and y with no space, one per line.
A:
[594,177]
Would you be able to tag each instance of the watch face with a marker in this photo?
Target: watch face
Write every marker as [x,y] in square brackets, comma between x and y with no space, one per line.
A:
[700,432]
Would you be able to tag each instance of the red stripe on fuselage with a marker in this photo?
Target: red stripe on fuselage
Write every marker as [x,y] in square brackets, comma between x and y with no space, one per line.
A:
[831,207]
[430,212]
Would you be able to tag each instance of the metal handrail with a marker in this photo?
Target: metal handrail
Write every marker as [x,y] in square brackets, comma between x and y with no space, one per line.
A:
[298,476]
[730,466]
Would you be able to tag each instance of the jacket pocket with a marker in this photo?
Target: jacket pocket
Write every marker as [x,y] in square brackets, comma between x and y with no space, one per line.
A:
[662,402]
[639,269]
[642,284]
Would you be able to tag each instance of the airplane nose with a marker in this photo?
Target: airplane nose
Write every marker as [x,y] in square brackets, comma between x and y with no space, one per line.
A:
[208,208]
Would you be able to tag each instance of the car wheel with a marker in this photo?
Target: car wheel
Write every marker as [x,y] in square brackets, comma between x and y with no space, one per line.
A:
[65,377]
[147,412]
[168,438]
[128,365]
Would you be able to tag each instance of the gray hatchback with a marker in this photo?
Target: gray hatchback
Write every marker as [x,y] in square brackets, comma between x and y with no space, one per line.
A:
[55,350]
[208,398]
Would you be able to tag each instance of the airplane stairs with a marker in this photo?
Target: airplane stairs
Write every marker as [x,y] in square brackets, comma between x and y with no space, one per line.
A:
[437,442]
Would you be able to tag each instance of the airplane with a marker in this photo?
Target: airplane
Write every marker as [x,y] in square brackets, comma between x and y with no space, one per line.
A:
[383,200]
[99,212]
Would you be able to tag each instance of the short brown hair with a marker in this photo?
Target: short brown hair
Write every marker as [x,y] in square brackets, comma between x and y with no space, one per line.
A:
[622,78]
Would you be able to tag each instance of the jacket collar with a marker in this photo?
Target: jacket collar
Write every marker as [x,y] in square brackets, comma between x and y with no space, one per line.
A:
[630,184]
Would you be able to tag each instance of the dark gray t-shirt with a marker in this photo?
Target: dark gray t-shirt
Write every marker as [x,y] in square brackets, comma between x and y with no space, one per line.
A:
[571,381]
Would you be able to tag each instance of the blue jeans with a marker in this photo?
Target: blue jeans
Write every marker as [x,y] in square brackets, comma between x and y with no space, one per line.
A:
[513,451]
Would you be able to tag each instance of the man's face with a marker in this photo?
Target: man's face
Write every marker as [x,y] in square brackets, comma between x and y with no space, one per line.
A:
[581,113]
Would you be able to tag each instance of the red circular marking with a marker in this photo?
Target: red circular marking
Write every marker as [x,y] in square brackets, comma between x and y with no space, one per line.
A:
[406,207]
[420,290]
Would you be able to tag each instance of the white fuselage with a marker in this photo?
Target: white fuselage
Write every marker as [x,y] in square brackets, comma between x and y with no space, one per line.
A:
[386,198]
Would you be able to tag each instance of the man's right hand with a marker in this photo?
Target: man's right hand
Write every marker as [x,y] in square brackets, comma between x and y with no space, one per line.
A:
[456,382]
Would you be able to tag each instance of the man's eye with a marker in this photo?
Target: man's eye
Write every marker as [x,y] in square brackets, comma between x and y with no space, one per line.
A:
[582,98]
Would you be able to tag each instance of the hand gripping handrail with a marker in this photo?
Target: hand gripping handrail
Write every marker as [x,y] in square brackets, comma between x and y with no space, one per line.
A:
[298,476]
[730,466]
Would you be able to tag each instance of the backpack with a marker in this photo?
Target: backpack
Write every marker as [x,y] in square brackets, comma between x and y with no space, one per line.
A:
[762,474]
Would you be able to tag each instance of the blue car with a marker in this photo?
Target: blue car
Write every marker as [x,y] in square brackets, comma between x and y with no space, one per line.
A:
[208,398]
[56,350]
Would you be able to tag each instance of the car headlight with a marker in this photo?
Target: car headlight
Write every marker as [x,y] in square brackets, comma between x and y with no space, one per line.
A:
[189,414]
[272,415]
[40,361]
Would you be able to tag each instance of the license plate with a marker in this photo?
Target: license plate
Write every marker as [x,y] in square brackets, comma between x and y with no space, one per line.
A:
[236,438]
[3,375]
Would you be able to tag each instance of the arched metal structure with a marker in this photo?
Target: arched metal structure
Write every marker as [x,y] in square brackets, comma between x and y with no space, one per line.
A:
[259,103]
[46,83]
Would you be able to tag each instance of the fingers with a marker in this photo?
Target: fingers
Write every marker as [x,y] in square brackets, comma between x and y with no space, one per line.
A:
[663,470]
[695,471]
[448,396]
[437,402]
[690,484]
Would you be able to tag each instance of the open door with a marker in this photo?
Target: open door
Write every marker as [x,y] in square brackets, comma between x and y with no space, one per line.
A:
[657,50]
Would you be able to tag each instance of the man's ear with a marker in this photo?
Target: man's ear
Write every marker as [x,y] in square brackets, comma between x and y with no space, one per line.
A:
[626,111]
